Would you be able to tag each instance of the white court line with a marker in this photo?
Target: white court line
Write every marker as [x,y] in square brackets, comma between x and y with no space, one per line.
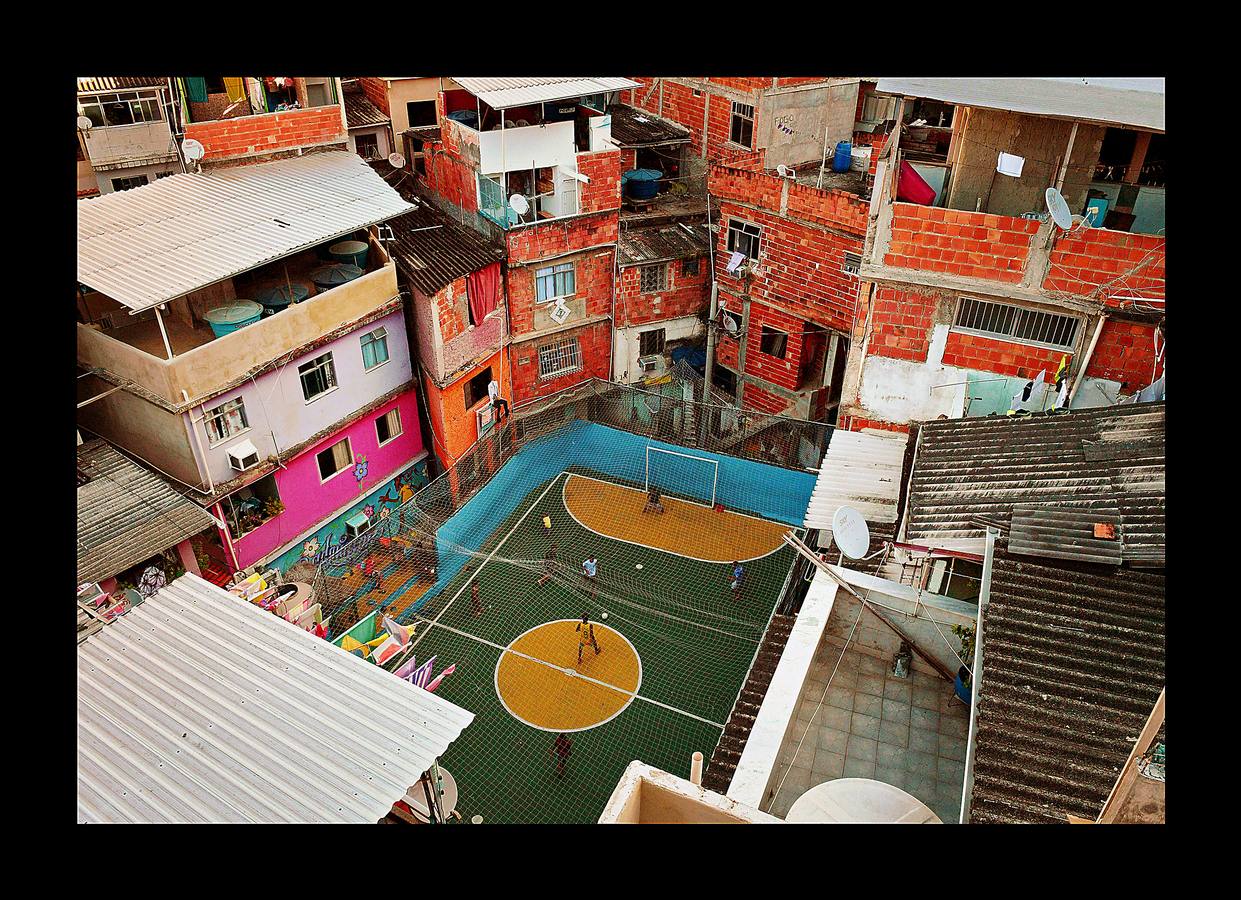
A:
[718,562]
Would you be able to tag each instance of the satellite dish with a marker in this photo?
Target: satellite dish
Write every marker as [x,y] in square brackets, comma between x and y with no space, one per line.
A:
[193,150]
[84,124]
[850,532]
[785,172]
[1059,209]
[729,322]
[396,160]
[519,204]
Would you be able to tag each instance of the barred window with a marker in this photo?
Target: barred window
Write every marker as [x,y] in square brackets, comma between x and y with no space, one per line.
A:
[741,127]
[559,358]
[651,342]
[1015,323]
[553,282]
[653,278]
[852,264]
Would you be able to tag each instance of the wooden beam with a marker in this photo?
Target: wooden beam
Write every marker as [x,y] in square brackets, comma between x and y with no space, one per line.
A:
[1129,773]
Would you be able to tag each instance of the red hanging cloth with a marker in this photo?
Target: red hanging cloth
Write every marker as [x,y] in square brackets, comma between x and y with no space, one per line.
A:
[482,289]
[911,187]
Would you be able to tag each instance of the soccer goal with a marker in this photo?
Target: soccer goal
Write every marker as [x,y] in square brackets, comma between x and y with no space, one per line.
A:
[683,475]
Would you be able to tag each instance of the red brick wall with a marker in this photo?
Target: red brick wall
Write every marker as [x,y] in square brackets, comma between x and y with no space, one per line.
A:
[1125,353]
[376,90]
[977,245]
[782,372]
[1082,261]
[593,275]
[686,295]
[856,423]
[755,397]
[596,348]
[972,351]
[901,323]
[449,177]
[680,105]
[268,133]
[604,171]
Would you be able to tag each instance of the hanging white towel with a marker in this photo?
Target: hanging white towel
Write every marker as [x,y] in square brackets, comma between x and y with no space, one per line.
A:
[1010,165]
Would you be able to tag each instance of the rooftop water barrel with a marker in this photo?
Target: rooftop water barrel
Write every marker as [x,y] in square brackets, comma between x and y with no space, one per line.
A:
[227,319]
[641,184]
[334,275]
[844,155]
[275,299]
[349,252]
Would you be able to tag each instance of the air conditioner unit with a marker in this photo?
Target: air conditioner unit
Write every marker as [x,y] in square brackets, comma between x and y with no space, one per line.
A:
[486,416]
[649,364]
[243,456]
[355,525]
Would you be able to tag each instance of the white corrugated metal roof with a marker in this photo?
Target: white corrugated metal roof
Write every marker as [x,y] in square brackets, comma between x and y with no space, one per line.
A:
[150,244]
[1136,102]
[861,469]
[199,707]
[505,93]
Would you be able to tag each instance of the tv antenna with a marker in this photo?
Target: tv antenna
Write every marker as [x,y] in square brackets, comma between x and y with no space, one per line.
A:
[729,321]
[851,533]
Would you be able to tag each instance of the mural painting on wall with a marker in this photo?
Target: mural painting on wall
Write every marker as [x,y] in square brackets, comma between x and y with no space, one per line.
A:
[329,540]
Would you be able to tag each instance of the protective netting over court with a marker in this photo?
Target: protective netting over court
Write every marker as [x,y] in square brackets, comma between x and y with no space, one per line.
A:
[664,498]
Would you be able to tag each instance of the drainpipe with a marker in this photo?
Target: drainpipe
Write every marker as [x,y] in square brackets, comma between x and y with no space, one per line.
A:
[695,768]
[1081,373]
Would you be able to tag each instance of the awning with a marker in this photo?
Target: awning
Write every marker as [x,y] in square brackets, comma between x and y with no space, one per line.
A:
[862,470]
[505,93]
[154,243]
[1132,102]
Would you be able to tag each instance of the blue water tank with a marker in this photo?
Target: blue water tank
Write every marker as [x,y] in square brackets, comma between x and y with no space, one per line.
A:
[844,155]
[641,184]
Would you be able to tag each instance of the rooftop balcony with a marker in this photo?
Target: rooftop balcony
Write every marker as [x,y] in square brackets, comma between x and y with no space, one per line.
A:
[139,143]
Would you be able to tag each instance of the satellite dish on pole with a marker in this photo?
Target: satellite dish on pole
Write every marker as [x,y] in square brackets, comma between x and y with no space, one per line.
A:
[519,204]
[193,150]
[1059,209]
[84,124]
[396,160]
[850,532]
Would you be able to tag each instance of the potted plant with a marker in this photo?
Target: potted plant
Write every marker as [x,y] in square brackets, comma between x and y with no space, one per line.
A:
[964,681]
[272,507]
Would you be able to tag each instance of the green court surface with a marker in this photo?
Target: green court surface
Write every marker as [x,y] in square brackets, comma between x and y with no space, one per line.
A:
[694,639]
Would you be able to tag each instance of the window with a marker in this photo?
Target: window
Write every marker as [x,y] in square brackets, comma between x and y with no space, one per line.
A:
[124,108]
[597,102]
[334,459]
[374,348]
[252,505]
[553,282]
[226,420]
[653,278]
[773,341]
[367,145]
[559,358]
[388,426]
[696,92]
[318,376]
[420,112]
[476,388]
[959,578]
[124,184]
[689,267]
[744,238]
[651,342]
[215,84]
[1015,323]
[877,108]
[741,128]
[853,263]
[317,93]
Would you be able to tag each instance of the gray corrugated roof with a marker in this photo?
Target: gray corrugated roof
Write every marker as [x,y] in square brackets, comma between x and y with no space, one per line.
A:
[1135,102]
[1073,661]
[360,112]
[432,250]
[968,469]
[151,244]
[120,83]
[505,93]
[1062,532]
[862,470]
[633,127]
[199,707]
[658,242]
[127,514]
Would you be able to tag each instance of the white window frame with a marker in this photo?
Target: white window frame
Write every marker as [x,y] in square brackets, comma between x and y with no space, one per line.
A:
[221,412]
[567,352]
[146,101]
[314,364]
[736,231]
[555,273]
[849,267]
[345,468]
[737,114]
[657,272]
[378,335]
[400,428]
[1046,326]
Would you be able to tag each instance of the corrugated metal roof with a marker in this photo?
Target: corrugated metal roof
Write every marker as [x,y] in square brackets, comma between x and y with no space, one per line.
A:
[633,127]
[659,242]
[120,83]
[1062,532]
[967,469]
[127,514]
[861,469]
[505,93]
[151,244]
[360,112]
[199,707]
[1137,102]
[1073,661]
[432,251]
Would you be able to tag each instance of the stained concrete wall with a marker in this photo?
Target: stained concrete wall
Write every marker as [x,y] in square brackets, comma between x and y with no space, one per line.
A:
[791,124]
[149,431]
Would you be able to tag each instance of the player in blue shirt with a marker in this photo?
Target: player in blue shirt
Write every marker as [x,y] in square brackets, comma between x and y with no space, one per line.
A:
[737,578]
[590,568]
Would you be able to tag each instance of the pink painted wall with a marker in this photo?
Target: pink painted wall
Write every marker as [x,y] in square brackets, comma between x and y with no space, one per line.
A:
[308,501]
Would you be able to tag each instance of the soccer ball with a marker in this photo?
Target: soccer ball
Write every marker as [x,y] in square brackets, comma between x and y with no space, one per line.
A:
[604,616]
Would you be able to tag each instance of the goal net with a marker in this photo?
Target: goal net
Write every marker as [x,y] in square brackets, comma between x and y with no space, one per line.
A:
[683,475]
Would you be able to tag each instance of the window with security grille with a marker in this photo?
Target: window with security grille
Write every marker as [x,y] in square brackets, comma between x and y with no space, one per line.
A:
[1015,323]
[651,342]
[852,264]
[653,278]
[318,376]
[367,145]
[689,267]
[741,127]
[226,420]
[553,282]
[744,238]
[559,358]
